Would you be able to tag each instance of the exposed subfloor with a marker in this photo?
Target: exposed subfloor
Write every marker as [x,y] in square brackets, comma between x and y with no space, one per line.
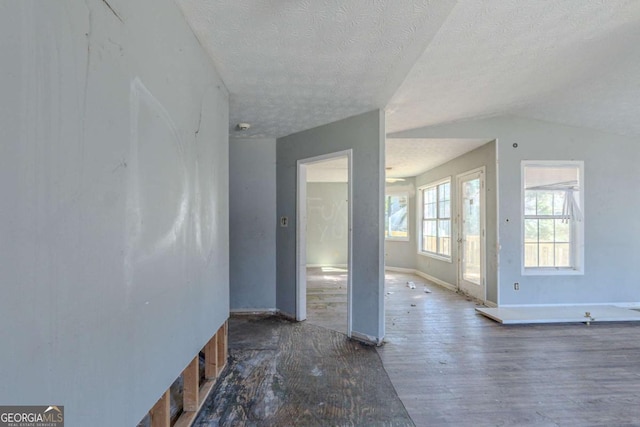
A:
[282,373]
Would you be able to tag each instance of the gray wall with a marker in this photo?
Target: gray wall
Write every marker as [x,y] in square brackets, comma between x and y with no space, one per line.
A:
[402,253]
[252,222]
[612,230]
[365,135]
[327,223]
[114,218]
[448,271]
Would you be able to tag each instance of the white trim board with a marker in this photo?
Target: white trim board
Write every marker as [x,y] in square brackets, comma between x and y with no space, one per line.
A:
[251,311]
[560,314]
[437,281]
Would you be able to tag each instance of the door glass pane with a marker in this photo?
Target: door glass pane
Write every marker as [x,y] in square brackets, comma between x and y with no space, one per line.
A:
[471,229]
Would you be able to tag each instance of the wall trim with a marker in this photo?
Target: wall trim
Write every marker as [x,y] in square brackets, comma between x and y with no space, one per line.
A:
[252,311]
[327,265]
[446,285]
[400,269]
[437,281]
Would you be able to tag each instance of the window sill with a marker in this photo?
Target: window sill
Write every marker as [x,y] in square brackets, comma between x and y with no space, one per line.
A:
[435,256]
[552,272]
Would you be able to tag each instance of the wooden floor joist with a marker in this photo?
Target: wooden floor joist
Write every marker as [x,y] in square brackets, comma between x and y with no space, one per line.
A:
[194,393]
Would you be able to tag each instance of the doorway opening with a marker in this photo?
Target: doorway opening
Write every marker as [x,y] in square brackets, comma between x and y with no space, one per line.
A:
[324,240]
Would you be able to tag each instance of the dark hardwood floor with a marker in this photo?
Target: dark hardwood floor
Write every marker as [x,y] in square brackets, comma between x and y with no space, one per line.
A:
[453,367]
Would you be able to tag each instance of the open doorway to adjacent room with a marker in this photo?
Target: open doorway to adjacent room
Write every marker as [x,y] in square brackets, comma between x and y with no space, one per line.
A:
[439,222]
[324,241]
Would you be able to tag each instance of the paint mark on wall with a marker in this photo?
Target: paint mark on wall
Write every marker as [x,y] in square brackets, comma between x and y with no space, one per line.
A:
[328,217]
[113,11]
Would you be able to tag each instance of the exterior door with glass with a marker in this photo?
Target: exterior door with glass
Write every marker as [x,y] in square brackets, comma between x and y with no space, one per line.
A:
[471,234]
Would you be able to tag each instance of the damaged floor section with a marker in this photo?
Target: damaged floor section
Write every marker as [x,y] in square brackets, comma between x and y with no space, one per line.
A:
[297,374]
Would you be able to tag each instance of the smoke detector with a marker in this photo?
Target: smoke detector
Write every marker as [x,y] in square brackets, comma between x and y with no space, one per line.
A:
[242,126]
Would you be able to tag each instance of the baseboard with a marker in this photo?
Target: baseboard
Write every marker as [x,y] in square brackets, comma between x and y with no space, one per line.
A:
[400,269]
[327,265]
[252,311]
[437,281]
[366,339]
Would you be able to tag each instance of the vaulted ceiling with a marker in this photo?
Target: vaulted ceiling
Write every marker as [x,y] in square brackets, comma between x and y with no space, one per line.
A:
[291,65]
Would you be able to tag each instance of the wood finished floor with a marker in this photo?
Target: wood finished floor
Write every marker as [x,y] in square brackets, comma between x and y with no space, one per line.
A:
[453,367]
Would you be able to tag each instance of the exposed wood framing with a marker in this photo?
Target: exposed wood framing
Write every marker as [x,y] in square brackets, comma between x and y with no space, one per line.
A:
[221,359]
[161,413]
[194,393]
[211,358]
[191,387]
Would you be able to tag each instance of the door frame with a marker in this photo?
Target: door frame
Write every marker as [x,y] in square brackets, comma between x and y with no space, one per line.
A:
[301,232]
[481,171]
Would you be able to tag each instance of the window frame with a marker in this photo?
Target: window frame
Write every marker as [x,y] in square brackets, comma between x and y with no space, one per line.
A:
[576,229]
[386,218]
[420,219]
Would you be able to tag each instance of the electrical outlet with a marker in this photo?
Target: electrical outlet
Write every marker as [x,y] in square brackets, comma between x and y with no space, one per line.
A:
[516,286]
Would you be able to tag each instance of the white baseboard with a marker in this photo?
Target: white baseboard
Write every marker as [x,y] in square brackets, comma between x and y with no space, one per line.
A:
[400,269]
[437,281]
[327,265]
[253,311]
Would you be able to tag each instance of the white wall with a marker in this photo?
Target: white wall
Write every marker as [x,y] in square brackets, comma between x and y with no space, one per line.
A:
[612,231]
[252,219]
[327,223]
[114,220]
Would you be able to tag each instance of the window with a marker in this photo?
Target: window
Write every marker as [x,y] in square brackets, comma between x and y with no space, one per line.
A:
[395,225]
[435,223]
[553,222]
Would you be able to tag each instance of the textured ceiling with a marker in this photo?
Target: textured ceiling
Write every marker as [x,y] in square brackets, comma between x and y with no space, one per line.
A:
[406,157]
[411,157]
[292,65]
[574,61]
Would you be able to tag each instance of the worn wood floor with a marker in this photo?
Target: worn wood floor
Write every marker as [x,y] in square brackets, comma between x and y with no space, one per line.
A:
[327,297]
[453,367]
